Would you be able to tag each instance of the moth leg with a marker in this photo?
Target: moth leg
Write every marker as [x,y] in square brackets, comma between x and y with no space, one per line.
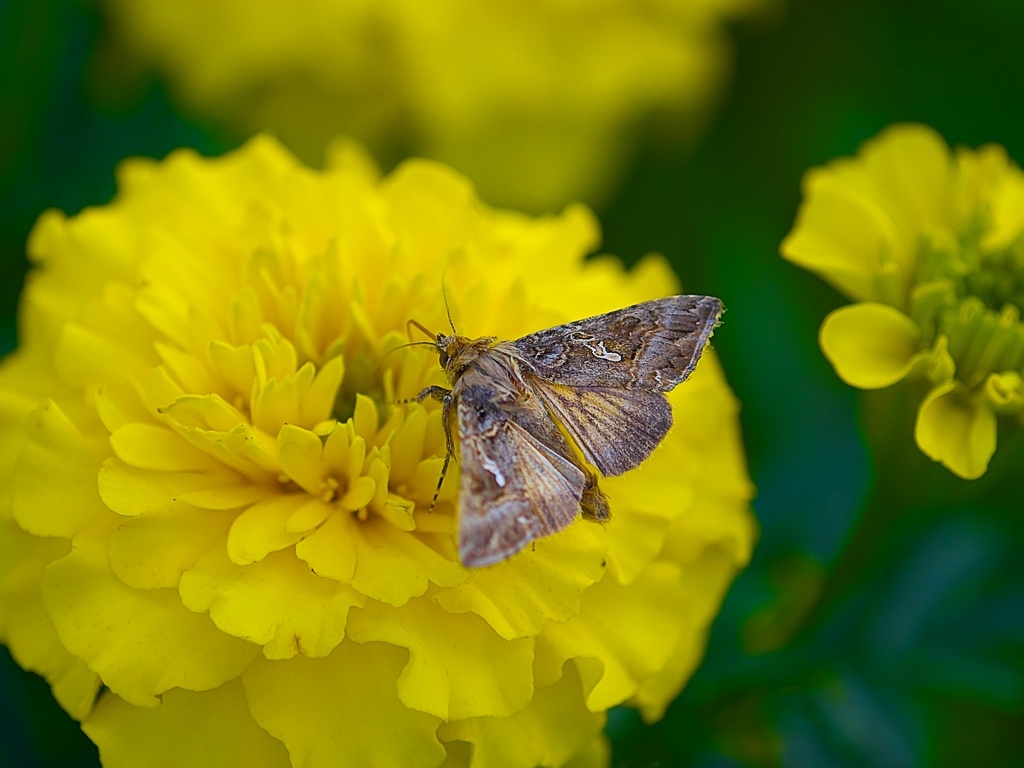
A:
[438,393]
[440,481]
[446,412]
[594,504]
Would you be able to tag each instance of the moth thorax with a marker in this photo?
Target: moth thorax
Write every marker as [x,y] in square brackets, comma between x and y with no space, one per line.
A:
[457,353]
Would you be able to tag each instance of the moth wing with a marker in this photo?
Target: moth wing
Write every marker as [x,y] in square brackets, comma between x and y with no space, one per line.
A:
[653,346]
[514,489]
[615,429]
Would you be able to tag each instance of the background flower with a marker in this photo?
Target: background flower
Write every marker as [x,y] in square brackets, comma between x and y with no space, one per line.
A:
[930,243]
[214,514]
[540,103]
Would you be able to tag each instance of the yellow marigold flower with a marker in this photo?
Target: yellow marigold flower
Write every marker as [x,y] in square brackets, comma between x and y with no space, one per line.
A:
[537,102]
[208,508]
[929,243]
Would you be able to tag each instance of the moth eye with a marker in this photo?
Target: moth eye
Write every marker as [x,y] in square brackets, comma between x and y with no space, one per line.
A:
[442,358]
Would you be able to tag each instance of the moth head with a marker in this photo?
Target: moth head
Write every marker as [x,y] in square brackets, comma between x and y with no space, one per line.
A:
[450,347]
[443,345]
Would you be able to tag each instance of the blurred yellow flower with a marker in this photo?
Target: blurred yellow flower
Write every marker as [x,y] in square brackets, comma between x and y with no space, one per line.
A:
[210,514]
[930,243]
[538,102]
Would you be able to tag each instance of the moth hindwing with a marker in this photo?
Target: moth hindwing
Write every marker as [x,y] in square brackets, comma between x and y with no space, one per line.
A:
[535,417]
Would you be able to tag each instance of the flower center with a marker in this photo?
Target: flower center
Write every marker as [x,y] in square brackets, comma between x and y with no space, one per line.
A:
[971,295]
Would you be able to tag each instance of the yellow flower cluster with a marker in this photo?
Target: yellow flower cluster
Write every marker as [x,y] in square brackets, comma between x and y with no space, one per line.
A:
[211,515]
[536,101]
[930,243]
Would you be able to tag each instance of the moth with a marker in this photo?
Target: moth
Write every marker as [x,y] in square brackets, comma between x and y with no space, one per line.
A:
[535,417]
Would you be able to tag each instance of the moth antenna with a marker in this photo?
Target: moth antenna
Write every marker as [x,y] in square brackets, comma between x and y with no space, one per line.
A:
[420,327]
[447,309]
[403,346]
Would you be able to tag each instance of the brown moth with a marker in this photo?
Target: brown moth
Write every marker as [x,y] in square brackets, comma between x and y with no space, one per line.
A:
[535,415]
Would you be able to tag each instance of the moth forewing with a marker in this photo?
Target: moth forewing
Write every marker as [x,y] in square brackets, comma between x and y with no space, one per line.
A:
[514,488]
[615,429]
[532,413]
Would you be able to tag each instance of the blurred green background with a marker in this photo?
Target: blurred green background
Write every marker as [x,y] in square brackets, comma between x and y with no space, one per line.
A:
[881,622]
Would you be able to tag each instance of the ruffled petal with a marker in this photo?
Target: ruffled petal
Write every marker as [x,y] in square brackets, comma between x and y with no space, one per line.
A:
[208,729]
[25,626]
[870,345]
[263,528]
[56,448]
[152,551]
[458,667]
[277,603]
[956,430]
[554,728]
[520,595]
[357,720]
[130,491]
[393,566]
[622,636]
[141,643]
[705,580]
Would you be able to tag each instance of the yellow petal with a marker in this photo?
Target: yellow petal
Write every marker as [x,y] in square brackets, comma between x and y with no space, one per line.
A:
[330,551]
[430,205]
[842,235]
[227,497]
[622,636]
[86,357]
[870,345]
[365,419]
[208,729]
[597,754]
[140,642]
[407,445]
[717,520]
[394,566]
[705,580]
[263,528]
[308,516]
[644,502]
[957,430]
[152,552]
[359,494]
[298,451]
[458,667]
[130,491]
[634,537]
[357,719]
[119,403]
[551,730]
[908,168]
[26,628]
[318,402]
[210,426]
[148,446]
[520,595]
[53,488]
[277,603]
[187,370]
[233,365]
